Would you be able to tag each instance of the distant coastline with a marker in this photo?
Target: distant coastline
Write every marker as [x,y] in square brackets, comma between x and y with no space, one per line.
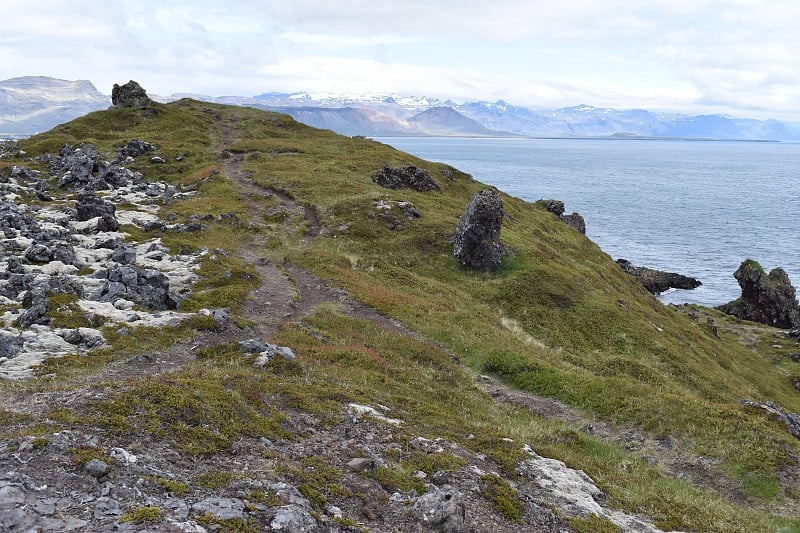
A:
[698,208]
[614,137]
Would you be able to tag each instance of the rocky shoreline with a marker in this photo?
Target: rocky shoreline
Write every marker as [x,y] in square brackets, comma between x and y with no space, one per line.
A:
[658,281]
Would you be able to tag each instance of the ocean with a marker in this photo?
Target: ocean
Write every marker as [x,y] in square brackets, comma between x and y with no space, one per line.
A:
[698,208]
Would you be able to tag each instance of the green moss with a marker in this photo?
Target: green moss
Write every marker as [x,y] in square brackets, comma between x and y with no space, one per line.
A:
[142,514]
[268,498]
[84,454]
[216,479]
[503,497]
[64,312]
[559,319]
[65,415]
[200,410]
[593,524]
[172,486]
[11,418]
[430,463]
[314,496]
[237,525]
[760,486]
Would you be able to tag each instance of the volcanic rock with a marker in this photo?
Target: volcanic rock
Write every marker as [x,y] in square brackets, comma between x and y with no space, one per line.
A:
[442,509]
[130,95]
[658,281]
[766,298]
[409,177]
[10,344]
[90,206]
[575,220]
[477,238]
[135,148]
[146,287]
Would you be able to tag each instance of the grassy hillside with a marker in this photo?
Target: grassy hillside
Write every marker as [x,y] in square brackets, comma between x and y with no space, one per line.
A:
[558,320]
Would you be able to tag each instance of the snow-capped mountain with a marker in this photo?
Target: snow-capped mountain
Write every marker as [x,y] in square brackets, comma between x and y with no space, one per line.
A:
[37,103]
[409,104]
[32,104]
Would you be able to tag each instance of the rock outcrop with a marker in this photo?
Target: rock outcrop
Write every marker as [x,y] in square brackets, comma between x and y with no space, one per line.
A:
[792,420]
[409,177]
[766,298]
[658,281]
[71,246]
[575,220]
[130,95]
[477,238]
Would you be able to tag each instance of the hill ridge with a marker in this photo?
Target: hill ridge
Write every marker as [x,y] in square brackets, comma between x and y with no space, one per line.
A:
[362,406]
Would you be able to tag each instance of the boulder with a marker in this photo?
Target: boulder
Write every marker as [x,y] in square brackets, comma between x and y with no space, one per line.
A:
[575,220]
[658,281]
[221,508]
[130,95]
[135,148]
[766,298]
[146,287]
[124,254]
[90,205]
[554,206]
[10,344]
[81,167]
[441,509]
[409,177]
[792,420]
[477,239]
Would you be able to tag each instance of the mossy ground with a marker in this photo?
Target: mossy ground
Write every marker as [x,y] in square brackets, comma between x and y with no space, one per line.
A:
[559,319]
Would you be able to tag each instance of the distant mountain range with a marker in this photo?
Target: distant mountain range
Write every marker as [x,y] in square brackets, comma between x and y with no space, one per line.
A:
[34,104]
[37,103]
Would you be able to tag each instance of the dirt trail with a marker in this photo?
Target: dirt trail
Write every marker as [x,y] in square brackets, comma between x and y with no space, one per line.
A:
[284,293]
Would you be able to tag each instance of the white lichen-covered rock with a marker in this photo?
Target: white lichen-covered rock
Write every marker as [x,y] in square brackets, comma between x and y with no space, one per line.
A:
[359,411]
[575,494]
[75,247]
[441,509]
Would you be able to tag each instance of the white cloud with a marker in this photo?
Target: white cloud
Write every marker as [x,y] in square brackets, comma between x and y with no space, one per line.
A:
[733,55]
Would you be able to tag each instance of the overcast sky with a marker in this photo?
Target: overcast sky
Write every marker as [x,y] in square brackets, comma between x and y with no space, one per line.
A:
[738,57]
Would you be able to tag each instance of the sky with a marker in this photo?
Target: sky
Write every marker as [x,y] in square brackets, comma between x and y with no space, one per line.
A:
[736,57]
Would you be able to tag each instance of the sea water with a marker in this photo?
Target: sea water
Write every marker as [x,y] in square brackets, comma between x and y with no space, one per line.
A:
[694,207]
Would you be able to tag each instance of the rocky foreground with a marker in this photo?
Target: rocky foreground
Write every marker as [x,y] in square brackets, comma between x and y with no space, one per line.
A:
[66,253]
[405,349]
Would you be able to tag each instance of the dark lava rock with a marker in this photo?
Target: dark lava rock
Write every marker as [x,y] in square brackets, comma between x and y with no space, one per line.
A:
[658,281]
[575,220]
[135,148]
[146,287]
[89,206]
[130,95]
[38,253]
[409,177]
[124,254]
[554,206]
[10,345]
[80,167]
[96,468]
[766,298]
[477,239]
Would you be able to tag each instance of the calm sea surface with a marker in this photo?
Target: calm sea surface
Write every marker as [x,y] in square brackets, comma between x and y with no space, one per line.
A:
[698,208]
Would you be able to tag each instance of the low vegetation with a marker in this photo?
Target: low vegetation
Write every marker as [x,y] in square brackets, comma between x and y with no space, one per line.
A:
[558,320]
